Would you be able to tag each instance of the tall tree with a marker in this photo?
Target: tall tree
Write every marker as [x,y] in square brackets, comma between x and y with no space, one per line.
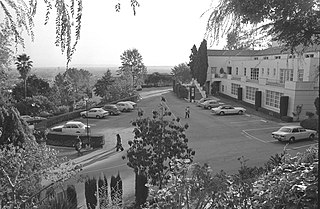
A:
[181,73]
[192,62]
[19,15]
[132,66]
[157,140]
[24,66]
[293,23]
[102,87]
[202,63]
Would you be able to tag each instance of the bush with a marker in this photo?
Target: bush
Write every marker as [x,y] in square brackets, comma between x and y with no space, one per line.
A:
[68,140]
[62,109]
[309,114]
[311,123]
[90,193]
[287,118]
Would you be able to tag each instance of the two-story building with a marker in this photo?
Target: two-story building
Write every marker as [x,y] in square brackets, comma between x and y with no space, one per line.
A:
[272,80]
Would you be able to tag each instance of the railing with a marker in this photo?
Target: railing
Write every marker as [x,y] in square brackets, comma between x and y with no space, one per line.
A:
[274,82]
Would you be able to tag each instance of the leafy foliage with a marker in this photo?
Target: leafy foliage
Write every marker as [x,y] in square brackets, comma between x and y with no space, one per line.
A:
[24,66]
[202,63]
[287,182]
[119,90]
[192,62]
[294,22]
[90,192]
[156,78]
[103,85]
[132,66]
[35,105]
[35,87]
[181,73]
[157,140]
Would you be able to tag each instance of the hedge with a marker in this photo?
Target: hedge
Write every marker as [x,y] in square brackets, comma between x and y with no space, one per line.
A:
[69,140]
[311,123]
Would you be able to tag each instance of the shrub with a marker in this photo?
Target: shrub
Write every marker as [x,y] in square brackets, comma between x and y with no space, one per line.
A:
[69,140]
[90,193]
[62,109]
[309,114]
[311,123]
[141,191]
[287,118]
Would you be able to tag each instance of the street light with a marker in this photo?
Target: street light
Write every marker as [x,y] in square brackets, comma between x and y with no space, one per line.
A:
[88,137]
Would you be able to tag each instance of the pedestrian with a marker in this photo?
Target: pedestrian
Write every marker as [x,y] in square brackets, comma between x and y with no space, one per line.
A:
[78,146]
[187,112]
[119,143]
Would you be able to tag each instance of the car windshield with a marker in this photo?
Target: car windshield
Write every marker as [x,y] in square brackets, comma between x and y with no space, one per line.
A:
[288,130]
[80,125]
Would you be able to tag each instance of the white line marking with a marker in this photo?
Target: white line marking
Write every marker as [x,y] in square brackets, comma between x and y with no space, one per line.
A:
[249,121]
[256,129]
[253,137]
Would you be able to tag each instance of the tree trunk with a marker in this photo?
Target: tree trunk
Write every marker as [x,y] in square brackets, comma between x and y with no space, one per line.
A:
[25,88]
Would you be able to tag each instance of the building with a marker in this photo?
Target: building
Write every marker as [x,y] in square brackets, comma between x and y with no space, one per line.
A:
[272,80]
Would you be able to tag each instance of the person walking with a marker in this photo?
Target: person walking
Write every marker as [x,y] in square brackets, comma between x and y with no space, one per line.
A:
[119,143]
[187,115]
[78,146]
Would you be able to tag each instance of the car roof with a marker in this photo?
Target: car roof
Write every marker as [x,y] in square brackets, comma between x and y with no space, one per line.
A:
[292,126]
[110,105]
[73,122]
[96,108]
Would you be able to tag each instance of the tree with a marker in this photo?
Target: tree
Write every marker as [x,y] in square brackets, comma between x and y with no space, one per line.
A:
[156,141]
[102,87]
[24,65]
[25,164]
[202,58]
[153,78]
[132,66]
[192,62]
[293,23]
[36,86]
[6,52]
[35,105]
[181,73]
[18,17]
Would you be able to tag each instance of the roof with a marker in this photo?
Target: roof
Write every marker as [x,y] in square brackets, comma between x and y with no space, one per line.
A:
[293,126]
[268,51]
[73,122]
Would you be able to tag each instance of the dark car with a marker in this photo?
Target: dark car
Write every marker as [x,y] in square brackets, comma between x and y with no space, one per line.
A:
[112,109]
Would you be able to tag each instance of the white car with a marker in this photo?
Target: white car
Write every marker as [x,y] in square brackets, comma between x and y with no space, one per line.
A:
[293,133]
[211,104]
[75,127]
[227,109]
[134,105]
[95,113]
[124,106]
[202,100]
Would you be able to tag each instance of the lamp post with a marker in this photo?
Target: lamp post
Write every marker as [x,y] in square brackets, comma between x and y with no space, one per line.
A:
[88,137]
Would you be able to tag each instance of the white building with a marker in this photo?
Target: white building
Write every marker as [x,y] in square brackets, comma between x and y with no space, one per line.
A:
[271,72]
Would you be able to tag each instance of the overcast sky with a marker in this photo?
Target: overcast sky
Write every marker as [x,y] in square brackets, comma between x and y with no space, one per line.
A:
[163,31]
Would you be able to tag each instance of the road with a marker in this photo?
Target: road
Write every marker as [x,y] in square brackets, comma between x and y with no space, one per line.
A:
[217,140]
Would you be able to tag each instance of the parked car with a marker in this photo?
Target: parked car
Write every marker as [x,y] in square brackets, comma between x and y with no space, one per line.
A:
[198,102]
[134,105]
[124,106]
[112,109]
[227,109]
[293,133]
[95,113]
[75,127]
[211,104]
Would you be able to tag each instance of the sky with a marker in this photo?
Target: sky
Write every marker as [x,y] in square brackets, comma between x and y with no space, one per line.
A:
[163,31]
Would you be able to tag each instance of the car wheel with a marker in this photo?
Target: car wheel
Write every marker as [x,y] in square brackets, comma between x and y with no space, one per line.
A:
[78,132]
[221,113]
[240,112]
[311,137]
[84,116]
[124,110]
[98,116]
[292,139]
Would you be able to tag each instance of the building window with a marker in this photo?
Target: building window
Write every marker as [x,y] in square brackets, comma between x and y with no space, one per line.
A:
[237,70]
[286,75]
[251,93]
[300,74]
[265,58]
[222,87]
[309,55]
[213,70]
[274,72]
[234,88]
[256,58]
[245,72]
[273,98]
[254,73]
[262,71]
[277,57]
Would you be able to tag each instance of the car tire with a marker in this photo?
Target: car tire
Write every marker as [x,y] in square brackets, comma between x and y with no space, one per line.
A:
[240,112]
[84,116]
[292,139]
[98,116]
[77,132]
[311,137]
[221,113]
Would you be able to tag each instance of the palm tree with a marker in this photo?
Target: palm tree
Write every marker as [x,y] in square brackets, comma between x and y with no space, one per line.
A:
[24,65]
